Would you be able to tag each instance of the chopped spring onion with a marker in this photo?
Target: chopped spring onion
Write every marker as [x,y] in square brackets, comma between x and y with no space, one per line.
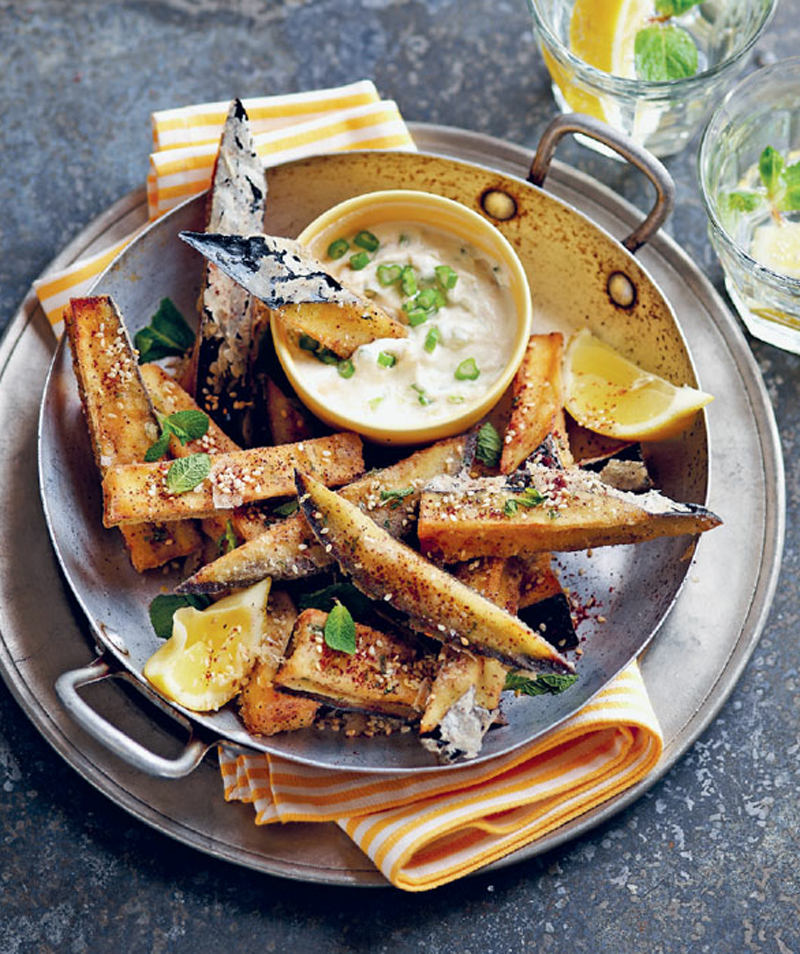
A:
[389,274]
[422,397]
[386,360]
[367,240]
[432,338]
[307,343]
[416,316]
[408,280]
[374,402]
[326,356]
[338,247]
[346,368]
[456,399]
[431,299]
[446,277]
[358,261]
[467,370]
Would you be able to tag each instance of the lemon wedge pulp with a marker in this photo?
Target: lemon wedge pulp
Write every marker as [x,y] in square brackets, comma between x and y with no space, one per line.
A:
[614,397]
[602,33]
[210,653]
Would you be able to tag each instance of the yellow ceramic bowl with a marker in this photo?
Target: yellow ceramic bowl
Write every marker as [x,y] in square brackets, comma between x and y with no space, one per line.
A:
[424,209]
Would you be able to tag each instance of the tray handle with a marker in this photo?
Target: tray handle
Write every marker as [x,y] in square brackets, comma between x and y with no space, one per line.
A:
[122,745]
[636,155]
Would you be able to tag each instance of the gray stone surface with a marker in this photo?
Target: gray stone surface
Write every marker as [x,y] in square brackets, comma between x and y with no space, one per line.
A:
[707,861]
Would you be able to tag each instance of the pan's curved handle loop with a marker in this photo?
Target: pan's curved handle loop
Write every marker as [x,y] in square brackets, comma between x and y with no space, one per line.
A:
[115,739]
[636,155]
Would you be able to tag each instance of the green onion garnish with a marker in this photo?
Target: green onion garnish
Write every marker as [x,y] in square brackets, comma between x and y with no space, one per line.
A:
[467,370]
[326,356]
[422,397]
[408,280]
[346,368]
[432,339]
[358,261]
[416,316]
[455,399]
[307,343]
[386,360]
[389,274]
[446,277]
[367,240]
[403,239]
[374,402]
[338,247]
[427,299]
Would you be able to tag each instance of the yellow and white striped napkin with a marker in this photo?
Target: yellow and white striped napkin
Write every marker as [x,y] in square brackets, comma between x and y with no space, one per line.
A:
[185,144]
[425,829]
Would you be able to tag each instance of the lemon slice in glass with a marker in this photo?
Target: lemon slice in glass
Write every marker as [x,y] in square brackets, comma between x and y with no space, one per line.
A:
[778,247]
[612,396]
[210,653]
[602,33]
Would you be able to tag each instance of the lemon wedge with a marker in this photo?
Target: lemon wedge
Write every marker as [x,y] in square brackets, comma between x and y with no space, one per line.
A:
[210,653]
[778,247]
[602,33]
[612,396]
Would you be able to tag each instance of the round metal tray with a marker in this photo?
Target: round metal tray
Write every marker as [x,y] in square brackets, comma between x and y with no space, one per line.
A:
[689,670]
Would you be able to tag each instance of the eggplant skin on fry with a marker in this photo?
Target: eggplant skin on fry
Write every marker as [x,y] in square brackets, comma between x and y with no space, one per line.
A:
[435,602]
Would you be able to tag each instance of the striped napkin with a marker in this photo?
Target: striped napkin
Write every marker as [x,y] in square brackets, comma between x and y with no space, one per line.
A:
[185,144]
[425,829]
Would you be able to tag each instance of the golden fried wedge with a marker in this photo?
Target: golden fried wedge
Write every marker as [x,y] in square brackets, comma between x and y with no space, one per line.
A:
[265,710]
[436,603]
[384,674]
[536,400]
[562,510]
[136,492]
[119,416]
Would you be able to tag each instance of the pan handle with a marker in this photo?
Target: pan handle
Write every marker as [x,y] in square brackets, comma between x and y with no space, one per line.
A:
[639,157]
[115,739]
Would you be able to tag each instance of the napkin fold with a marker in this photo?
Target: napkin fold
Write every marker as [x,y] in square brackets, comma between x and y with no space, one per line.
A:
[185,144]
[425,829]
[422,829]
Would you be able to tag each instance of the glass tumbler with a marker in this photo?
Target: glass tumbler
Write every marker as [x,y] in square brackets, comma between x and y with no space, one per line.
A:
[661,116]
[749,169]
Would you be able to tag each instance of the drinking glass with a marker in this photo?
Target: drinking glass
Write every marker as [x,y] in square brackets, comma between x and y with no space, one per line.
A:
[762,112]
[661,116]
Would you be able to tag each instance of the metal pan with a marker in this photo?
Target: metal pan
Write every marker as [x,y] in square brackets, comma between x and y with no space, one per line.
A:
[575,270]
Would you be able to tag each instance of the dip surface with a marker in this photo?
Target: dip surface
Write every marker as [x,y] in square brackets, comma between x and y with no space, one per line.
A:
[454,352]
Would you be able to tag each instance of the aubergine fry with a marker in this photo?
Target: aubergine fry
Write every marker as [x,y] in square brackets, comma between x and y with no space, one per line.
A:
[120,417]
[435,602]
[384,674]
[298,290]
[554,510]
[289,550]
[229,319]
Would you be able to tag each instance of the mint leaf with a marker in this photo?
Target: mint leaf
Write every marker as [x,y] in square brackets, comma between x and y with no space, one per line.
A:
[742,201]
[791,199]
[489,445]
[167,334]
[187,472]
[164,606]
[340,630]
[674,8]
[545,684]
[157,450]
[188,425]
[791,174]
[663,53]
[770,167]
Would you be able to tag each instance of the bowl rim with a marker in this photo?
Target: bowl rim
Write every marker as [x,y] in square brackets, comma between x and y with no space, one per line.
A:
[494,242]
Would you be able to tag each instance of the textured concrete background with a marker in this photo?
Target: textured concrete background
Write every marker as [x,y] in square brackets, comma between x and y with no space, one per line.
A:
[707,861]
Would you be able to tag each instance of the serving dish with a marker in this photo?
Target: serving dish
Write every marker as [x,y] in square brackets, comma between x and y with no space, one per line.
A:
[572,267]
[43,633]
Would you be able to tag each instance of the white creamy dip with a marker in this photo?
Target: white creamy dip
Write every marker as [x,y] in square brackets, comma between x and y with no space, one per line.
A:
[407,382]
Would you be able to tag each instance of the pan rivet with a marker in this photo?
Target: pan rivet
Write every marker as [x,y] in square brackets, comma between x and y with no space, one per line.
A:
[621,290]
[499,205]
